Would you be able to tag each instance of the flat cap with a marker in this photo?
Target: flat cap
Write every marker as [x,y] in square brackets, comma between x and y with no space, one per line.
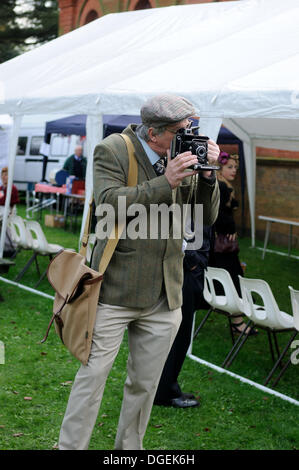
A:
[163,110]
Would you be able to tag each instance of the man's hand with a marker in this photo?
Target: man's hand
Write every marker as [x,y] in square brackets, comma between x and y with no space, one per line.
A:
[213,154]
[232,236]
[176,168]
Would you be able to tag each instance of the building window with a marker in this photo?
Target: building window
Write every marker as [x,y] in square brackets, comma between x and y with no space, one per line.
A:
[35,144]
[22,144]
[91,16]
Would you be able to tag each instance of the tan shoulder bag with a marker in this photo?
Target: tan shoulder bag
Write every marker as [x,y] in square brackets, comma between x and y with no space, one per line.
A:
[77,286]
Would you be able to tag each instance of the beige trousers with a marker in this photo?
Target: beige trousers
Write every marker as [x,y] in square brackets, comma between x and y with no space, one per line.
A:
[150,335]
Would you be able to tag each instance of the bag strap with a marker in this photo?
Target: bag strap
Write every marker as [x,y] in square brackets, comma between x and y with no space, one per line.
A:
[116,233]
[133,168]
[86,232]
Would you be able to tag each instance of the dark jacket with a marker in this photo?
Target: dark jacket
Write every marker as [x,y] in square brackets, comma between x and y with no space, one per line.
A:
[225,221]
[75,168]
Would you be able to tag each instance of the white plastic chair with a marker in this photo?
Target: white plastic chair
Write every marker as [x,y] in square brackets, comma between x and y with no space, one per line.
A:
[267,316]
[295,307]
[19,232]
[39,242]
[40,245]
[229,304]
[23,240]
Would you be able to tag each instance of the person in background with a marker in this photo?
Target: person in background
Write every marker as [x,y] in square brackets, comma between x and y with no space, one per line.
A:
[9,246]
[14,199]
[169,392]
[225,226]
[76,164]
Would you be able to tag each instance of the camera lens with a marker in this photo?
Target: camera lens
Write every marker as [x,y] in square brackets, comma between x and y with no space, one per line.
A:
[201,151]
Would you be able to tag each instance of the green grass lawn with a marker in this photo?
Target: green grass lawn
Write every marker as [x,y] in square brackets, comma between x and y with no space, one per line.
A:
[36,378]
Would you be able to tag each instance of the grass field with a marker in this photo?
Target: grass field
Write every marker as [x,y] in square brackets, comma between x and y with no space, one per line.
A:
[36,378]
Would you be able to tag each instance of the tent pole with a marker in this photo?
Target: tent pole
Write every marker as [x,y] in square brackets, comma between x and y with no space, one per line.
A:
[94,134]
[250,162]
[250,165]
[17,118]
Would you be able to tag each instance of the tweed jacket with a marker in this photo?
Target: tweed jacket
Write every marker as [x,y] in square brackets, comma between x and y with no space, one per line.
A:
[141,270]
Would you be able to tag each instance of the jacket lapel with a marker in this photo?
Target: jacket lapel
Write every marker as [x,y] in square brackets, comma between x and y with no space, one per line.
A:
[140,154]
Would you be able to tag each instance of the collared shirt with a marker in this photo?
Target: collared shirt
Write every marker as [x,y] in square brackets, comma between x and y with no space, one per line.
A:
[152,155]
[77,158]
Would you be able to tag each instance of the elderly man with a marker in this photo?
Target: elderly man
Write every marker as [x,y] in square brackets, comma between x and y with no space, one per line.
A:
[76,164]
[142,286]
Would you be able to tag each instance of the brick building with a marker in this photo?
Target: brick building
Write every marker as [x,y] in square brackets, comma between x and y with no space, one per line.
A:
[277,176]
[75,13]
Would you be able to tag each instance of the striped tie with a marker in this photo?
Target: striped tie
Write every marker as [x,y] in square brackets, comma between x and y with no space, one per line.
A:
[160,166]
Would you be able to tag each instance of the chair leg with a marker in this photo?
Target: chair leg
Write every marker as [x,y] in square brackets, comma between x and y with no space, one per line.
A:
[203,321]
[276,345]
[270,375]
[44,273]
[37,266]
[230,361]
[281,373]
[41,278]
[270,345]
[231,330]
[237,346]
[22,272]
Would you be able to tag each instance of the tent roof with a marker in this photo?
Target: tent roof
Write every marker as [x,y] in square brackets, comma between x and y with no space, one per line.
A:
[222,56]
[68,125]
[113,123]
[237,62]
[77,124]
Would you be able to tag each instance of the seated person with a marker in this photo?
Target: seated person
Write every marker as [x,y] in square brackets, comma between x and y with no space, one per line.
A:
[9,250]
[14,199]
[76,164]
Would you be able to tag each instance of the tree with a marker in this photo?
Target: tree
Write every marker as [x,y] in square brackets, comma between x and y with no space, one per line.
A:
[25,24]
[7,25]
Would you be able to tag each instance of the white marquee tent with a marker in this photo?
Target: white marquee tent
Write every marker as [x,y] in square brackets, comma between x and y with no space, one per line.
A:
[238,62]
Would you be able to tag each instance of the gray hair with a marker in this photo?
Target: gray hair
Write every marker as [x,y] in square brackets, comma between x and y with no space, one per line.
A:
[142,131]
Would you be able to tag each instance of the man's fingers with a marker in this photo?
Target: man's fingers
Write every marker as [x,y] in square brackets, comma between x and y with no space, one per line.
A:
[185,159]
[212,143]
[213,150]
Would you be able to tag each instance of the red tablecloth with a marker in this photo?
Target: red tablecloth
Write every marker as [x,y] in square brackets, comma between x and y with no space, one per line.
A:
[49,188]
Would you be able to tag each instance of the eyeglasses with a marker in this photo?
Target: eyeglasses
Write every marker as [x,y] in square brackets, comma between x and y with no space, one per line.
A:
[190,122]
